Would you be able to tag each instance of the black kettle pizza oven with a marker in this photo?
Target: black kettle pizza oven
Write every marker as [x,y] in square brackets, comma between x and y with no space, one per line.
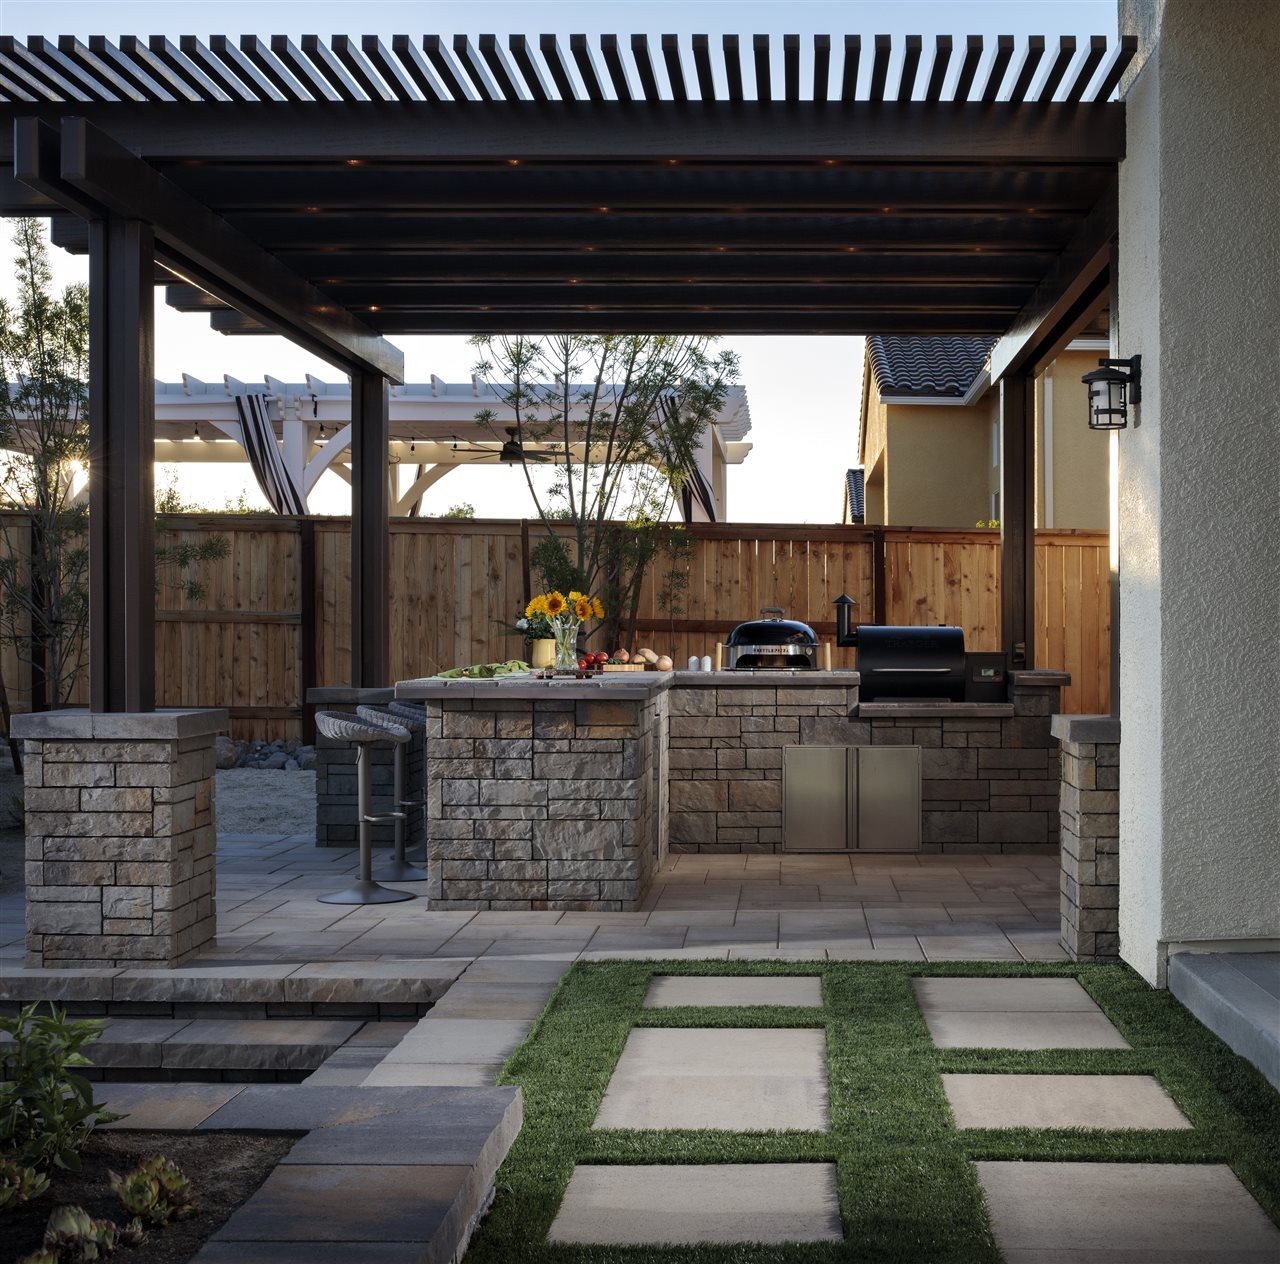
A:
[772,642]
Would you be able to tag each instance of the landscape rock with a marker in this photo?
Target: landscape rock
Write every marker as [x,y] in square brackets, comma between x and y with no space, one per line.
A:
[226,753]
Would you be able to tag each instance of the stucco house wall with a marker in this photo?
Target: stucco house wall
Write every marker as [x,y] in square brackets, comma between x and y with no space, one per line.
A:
[1197,298]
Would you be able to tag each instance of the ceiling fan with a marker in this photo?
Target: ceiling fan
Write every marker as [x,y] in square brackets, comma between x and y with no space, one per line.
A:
[512,452]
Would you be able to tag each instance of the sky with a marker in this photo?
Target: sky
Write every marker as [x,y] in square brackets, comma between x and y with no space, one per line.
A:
[803,392]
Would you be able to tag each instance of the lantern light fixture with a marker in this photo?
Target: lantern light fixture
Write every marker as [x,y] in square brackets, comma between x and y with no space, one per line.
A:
[1113,386]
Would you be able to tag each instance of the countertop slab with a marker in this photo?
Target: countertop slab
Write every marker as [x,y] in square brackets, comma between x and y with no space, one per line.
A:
[619,686]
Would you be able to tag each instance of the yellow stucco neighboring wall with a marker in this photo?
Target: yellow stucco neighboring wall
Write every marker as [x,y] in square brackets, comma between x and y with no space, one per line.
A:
[931,465]
[1071,473]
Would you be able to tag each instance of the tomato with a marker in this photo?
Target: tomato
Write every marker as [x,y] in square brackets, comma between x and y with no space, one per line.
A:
[583,664]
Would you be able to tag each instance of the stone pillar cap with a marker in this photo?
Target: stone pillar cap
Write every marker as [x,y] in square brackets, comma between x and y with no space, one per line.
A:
[78,724]
[1086,729]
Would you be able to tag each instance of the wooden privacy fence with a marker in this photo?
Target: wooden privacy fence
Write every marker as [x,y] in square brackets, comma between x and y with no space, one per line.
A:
[455,583]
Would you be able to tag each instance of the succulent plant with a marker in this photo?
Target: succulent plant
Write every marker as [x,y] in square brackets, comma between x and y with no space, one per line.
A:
[133,1233]
[156,1190]
[73,1236]
[19,1184]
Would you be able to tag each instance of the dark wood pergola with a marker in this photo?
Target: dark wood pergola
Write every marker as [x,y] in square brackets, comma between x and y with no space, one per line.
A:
[339,193]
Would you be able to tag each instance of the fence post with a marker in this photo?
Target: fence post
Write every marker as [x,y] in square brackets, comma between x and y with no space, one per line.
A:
[307,625]
[879,601]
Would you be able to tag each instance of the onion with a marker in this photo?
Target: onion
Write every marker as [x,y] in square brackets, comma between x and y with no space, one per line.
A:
[622,656]
[665,663]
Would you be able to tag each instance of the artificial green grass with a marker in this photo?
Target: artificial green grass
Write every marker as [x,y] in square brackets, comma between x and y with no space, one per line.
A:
[908,1191]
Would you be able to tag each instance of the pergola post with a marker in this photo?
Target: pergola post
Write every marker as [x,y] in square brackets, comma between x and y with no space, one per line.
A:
[1017,518]
[122,556]
[370,531]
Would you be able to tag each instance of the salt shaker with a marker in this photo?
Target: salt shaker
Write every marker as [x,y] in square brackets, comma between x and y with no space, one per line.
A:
[706,662]
[693,662]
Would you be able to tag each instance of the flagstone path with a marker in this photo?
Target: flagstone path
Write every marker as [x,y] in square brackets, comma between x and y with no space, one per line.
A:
[735,1079]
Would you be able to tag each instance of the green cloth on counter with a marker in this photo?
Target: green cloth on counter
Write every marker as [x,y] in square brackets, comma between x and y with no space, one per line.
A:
[486,671]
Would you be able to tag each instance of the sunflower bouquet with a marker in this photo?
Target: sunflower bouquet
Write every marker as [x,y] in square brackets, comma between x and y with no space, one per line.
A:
[564,616]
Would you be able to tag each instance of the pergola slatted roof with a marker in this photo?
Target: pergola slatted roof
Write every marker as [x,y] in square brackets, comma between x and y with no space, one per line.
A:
[689,68]
[440,185]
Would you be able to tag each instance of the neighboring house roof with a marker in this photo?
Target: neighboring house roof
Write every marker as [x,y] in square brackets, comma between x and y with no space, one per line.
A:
[855,494]
[932,366]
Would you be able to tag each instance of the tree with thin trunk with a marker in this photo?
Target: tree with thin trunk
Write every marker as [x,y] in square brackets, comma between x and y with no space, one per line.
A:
[44,457]
[44,351]
[621,417]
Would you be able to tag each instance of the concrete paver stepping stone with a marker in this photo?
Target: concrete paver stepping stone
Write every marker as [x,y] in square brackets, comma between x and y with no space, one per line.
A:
[1020,1030]
[734,1079]
[686,1205]
[1125,1213]
[1055,995]
[1014,1014]
[1061,1101]
[669,991]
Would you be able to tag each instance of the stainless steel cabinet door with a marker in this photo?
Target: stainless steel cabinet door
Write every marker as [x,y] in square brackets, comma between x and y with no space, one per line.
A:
[817,798]
[888,797]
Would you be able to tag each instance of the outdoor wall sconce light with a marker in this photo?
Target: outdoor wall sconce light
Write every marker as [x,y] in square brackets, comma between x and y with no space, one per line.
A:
[1111,391]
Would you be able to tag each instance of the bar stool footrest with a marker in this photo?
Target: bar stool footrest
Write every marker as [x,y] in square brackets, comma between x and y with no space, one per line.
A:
[383,818]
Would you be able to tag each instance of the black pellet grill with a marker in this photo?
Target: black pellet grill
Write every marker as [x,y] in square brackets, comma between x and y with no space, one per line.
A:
[919,663]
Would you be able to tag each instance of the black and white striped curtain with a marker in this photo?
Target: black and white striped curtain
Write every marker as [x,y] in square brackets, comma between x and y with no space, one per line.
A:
[282,493]
[695,488]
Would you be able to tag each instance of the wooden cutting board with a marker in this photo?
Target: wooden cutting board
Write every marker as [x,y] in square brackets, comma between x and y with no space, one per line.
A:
[613,667]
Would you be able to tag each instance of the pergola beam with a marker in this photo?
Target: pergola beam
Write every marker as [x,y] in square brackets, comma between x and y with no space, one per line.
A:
[1012,135]
[370,538]
[1074,288]
[1017,518]
[621,319]
[233,267]
[122,556]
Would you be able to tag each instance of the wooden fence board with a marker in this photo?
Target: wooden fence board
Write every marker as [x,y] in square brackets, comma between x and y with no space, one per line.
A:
[454,582]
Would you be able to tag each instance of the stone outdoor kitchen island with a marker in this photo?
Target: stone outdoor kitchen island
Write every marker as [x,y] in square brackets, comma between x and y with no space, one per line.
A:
[568,794]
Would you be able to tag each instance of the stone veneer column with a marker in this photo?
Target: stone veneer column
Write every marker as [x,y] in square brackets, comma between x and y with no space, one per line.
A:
[336,812]
[545,796]
[1090,831]
[120,836]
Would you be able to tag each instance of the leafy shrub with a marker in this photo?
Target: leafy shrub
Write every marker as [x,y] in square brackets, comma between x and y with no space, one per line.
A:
[156,1190]
[47,1111]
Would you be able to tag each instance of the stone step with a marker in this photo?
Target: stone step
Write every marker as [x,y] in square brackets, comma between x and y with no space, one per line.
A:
[1237,996]
[219,1044]
[400,1176]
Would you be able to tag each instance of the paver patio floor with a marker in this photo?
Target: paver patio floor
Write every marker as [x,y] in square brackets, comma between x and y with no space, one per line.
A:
[845,907]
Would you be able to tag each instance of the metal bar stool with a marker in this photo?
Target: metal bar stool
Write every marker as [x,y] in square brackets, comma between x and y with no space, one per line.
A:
[398,869]
[413,715]
[346,728]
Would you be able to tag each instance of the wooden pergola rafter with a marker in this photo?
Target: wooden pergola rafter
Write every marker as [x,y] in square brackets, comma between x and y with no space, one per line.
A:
[345,191]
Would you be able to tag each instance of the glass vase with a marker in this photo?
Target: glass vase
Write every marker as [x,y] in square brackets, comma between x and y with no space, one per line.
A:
[566,634]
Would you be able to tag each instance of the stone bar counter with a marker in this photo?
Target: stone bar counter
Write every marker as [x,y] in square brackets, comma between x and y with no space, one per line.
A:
[545,793]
